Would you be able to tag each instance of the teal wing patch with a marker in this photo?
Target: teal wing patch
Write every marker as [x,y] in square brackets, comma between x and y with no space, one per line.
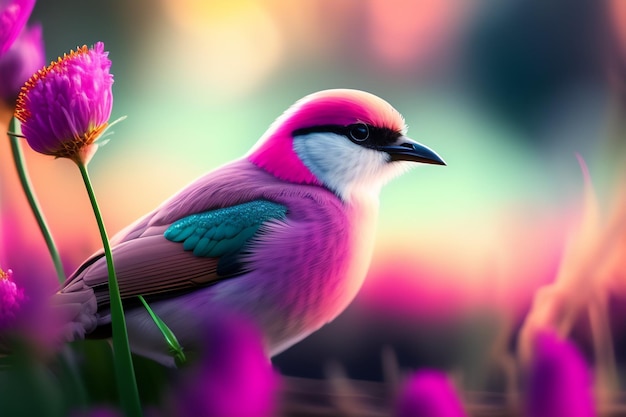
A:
[223,231]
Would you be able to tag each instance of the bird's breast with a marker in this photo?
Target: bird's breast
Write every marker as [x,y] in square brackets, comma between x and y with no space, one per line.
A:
[308,268]
[364,212]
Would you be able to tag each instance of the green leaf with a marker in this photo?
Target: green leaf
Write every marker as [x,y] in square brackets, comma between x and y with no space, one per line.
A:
[176,349]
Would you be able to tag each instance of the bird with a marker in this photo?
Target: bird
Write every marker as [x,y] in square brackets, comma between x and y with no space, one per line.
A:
[283,235]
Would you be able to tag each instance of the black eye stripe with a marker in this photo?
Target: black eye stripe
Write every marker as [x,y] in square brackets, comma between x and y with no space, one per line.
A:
[378,136]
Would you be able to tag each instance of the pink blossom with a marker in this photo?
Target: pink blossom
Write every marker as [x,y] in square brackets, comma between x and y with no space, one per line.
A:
[11,300]
[65,107]
[428,393]
[22,60]
[235,377]
[560,382]
[13,17]
[37,323]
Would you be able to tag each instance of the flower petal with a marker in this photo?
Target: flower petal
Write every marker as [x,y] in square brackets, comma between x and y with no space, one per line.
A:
[13,17]
[65,107]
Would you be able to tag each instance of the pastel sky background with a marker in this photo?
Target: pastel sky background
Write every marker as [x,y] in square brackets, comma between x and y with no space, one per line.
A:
[506,93]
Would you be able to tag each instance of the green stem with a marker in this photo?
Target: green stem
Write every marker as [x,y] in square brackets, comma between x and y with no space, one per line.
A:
[20,165]
[123,362]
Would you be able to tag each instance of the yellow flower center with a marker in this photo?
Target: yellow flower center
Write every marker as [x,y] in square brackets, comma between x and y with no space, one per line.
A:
[5,275]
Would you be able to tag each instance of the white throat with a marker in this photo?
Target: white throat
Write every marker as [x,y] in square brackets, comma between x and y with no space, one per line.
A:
[346,168]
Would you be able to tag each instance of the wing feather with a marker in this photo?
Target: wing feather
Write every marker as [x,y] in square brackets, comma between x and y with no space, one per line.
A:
[151,266]
[185,256]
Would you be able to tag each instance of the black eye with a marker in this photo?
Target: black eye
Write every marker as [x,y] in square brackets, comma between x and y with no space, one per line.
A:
[359,132]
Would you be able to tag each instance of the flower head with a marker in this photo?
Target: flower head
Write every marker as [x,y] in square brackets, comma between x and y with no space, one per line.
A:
[13,17]
[25,57]
[66,106]
[428,393]
[235,377]
[560,382]
[34,322]
[11,300]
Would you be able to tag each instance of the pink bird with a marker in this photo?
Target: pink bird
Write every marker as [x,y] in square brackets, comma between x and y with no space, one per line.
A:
[284,235]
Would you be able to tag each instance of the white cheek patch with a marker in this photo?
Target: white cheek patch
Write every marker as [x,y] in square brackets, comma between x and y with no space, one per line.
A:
[345,167]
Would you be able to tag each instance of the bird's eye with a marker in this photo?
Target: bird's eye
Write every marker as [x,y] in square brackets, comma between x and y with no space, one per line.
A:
[359,132]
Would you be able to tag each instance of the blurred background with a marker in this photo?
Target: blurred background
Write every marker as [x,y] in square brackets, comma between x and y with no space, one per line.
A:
[507,92]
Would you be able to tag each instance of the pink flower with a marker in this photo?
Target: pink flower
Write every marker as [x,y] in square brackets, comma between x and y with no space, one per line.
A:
[66,106]
[560,382]
[11,300]
[37,323]
[13,17]
[235,377]
[24,58]
[428,393]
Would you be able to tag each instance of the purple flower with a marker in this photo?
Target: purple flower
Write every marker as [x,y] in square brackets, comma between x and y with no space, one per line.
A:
[13,17]
[235,377]
[559,382]
[24,58]
[66,106]
[428,393]
[11,300]
[38,324]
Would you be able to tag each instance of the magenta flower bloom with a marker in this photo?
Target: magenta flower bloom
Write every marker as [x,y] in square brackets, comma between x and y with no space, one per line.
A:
[235,377]
[66,106]
[560,382]
[428,393]
[38,324]
[22,60]
[11,300]
[13,17]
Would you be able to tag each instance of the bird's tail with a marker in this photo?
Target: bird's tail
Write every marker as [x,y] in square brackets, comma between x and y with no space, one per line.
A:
[76,306]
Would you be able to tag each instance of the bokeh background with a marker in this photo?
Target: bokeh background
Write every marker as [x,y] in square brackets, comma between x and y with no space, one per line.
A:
[508,92]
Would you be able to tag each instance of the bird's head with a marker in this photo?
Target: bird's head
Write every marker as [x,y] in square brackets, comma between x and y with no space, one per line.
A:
[346,140]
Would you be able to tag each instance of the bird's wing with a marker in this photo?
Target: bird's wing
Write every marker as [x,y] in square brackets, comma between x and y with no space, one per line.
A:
[195,250]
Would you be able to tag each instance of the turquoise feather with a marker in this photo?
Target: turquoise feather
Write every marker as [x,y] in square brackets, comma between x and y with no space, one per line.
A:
[223,231]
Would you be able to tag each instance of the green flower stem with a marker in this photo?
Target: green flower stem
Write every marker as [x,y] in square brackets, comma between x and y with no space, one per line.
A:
[20,165]
[123,362]
[175,348]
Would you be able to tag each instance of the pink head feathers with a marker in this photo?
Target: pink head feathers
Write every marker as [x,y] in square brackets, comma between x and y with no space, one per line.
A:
[274,151]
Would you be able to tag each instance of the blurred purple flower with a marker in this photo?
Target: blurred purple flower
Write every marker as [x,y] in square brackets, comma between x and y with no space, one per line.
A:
[560,382]
[428,393]
[235,377]
[11,300]
[22,60]
[13,17]
[38,324]
[66,106]
[26,315]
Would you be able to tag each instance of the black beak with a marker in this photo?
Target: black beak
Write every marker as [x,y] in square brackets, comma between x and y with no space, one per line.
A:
[406,149]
